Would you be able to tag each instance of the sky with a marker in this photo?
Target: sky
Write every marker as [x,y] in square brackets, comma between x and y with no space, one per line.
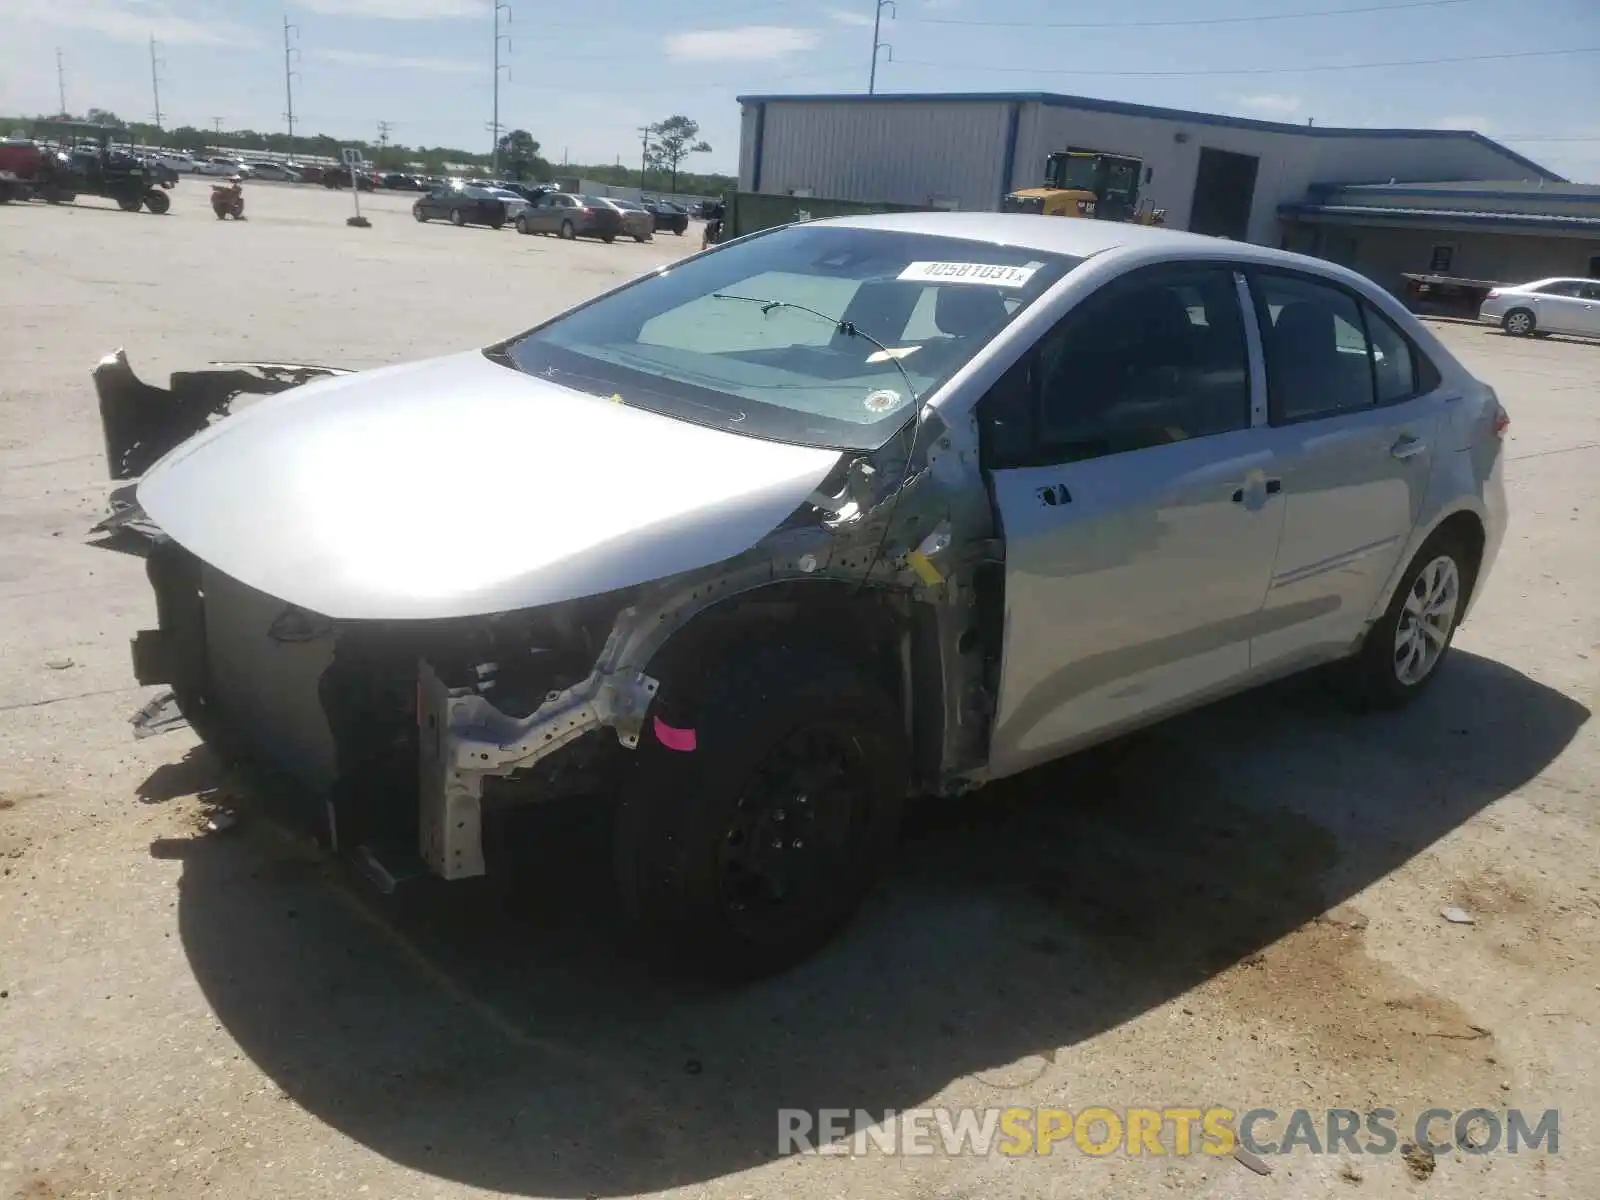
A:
[583,75]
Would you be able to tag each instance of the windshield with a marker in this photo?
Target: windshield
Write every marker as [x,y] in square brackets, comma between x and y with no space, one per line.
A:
[1074,171]
[724,339]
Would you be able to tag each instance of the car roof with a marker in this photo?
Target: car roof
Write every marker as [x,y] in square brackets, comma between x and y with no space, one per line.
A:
[1082,237]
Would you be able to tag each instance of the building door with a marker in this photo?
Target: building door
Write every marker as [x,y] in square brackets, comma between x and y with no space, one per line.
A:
[1224,191]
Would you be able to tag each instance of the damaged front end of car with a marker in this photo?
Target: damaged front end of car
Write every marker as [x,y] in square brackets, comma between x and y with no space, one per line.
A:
[408,731]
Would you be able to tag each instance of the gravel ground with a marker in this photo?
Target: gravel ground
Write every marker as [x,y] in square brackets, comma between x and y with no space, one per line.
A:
[1240,907]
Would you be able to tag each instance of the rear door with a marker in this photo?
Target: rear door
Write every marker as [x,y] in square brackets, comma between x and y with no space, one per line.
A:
[1126,457]
[1589,293]
[1356,414]
[1558,306]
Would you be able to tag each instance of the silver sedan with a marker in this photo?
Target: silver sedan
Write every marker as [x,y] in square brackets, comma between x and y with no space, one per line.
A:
[1545,306]
[890,507]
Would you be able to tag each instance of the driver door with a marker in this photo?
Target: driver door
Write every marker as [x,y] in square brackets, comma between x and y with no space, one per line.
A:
[1131,475]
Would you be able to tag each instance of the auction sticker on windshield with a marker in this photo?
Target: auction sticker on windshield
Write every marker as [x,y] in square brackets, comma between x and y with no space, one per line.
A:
[991,274]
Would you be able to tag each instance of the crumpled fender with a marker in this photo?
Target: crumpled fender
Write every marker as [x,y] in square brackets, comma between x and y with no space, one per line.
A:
[141,422]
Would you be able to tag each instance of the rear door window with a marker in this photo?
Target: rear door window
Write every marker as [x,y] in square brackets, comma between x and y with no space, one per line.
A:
[1318,359]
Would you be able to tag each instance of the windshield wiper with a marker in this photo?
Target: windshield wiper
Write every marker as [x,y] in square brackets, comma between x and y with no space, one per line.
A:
[847,328]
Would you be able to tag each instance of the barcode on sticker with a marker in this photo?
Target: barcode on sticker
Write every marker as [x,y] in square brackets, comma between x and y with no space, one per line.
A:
[989,274]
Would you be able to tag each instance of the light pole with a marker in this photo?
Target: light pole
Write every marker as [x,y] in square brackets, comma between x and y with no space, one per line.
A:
[878,43]
[494,123]
[155,81]
[289,73]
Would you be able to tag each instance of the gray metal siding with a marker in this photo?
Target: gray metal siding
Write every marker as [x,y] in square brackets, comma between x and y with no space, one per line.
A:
[901,153]
[747,147]
[1384,254]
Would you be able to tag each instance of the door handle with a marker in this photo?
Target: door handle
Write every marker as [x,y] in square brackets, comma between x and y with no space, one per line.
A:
[1408,447]
[1273,487]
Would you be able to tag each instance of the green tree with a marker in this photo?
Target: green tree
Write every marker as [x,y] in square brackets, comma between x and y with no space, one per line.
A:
[673,141]
[104,116]
[519,153]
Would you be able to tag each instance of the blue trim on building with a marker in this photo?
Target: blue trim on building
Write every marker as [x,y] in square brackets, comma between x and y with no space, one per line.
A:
[1373,214]
[1123,108]
[1401,191]
[760,145]
[1008,171]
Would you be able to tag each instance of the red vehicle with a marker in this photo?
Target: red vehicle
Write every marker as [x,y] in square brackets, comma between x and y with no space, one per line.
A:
[22,171]
[227,199]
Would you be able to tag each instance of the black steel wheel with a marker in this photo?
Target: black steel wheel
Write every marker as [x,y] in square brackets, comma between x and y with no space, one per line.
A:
[158,202]
[744,855]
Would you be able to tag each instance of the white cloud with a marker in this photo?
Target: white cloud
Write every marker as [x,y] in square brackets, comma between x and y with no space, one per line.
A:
[1274,104]
[402,62]
[396,10]
[1465,121]
[748,43]
[131,21]
[845,16]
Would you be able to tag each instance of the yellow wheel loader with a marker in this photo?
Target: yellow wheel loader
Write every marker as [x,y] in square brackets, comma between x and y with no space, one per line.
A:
[1089,183]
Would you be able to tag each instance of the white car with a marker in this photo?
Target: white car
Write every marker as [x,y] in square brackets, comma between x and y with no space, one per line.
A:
[1545,306]
[223,165]
[822,521]
[275,171]
[183,163]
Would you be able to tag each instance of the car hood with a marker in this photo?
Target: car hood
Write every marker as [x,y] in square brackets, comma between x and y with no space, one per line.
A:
[456,487]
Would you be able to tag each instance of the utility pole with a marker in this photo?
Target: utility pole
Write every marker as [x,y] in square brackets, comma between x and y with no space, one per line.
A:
[217,121]
[289,51]
[494,123]
[61,81]
[878,44]
[644,153]
[383,139]
[155,81]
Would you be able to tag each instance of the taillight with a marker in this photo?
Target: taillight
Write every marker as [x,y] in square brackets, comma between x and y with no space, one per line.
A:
[588,212]
[1502,422]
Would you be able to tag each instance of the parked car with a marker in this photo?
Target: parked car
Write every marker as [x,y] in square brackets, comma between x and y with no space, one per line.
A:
[897,506]
[637,222]
[184,164]
[570,216]
[275,171]
[468,205]
[339,177]
[308,172]
[1545,306]
[529,191]
[668,216]
[398,181]
[224,165]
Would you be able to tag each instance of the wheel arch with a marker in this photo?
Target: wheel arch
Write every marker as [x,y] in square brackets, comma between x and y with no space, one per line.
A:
[883,631]
[1465,520]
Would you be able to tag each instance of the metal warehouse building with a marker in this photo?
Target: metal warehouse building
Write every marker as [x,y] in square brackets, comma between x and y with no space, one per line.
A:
[1219,175]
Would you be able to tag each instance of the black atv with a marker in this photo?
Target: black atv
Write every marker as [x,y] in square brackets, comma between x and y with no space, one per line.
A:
[77,167]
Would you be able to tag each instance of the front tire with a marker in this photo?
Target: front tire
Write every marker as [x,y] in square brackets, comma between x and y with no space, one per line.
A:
[569,231]
[522,226]
[745,854]
[1519,322]
[421,216]
[159,202]
[457,218]
[1405,648]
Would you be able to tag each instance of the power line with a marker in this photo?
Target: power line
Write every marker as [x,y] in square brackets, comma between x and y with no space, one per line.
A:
[1399,62]
[1191,21]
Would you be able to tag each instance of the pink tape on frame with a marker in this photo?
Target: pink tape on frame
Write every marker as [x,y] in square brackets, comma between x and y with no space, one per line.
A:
[682,740]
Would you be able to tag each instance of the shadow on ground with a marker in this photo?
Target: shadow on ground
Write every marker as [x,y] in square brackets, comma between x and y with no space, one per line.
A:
[500,1034]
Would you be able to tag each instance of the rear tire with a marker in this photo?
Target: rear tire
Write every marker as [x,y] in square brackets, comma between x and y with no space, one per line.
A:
[457,218]
[744,855]
[1405,647]
[500,224]
[640,238]
[522,226]
[1519,322]
[421,216]
[129,203]
[159,202]
[569,232]
[608,238]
